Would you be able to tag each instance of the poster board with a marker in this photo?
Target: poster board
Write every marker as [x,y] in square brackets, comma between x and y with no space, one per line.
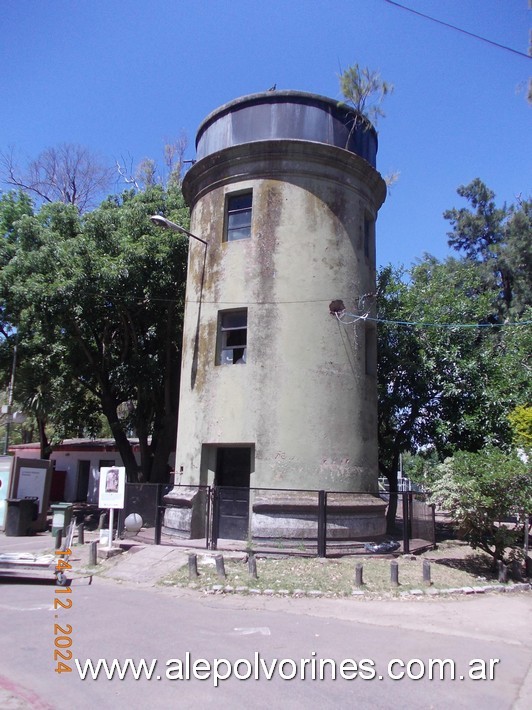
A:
[112,487]
[6,468]
[33,477]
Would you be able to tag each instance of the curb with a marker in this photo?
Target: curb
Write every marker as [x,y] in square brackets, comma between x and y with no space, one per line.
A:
[430,592]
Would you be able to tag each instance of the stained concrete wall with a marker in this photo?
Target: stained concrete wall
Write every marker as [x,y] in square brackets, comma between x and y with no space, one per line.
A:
[306,398]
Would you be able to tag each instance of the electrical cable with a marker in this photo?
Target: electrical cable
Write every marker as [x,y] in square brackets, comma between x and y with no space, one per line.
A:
[422,324]
[458,29]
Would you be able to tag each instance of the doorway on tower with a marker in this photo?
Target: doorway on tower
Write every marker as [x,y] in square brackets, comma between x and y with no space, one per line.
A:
[231,480]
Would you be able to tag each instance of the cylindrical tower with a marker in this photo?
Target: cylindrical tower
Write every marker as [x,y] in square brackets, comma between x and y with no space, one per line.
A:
[275,392]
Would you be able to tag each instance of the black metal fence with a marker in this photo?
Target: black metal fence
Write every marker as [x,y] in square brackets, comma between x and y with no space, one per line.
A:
[308,522]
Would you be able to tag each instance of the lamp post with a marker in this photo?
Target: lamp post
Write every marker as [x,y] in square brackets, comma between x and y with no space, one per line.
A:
[160,221]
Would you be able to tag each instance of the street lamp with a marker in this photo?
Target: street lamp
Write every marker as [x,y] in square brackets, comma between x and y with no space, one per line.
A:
[160,221]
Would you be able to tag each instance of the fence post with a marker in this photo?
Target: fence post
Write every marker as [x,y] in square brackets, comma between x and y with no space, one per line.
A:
[220,566]
[93,553]
[322,523]
[394,573]
[252,565]
[426,572]
[359,574]
[406,515]
[208,519]
[81,534]
[192,566]
[215,518]
[158,516]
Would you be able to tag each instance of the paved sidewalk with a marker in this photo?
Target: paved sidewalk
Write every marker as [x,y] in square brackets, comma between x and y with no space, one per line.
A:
[136,563]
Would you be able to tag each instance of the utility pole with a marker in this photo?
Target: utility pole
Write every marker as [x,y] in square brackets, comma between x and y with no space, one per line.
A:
[10,400]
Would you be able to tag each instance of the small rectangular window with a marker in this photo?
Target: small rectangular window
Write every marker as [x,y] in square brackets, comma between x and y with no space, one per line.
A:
[238,217]
[369,235]
[232,337]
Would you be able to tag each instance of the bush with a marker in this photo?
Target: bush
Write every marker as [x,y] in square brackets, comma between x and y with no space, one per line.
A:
[482,491]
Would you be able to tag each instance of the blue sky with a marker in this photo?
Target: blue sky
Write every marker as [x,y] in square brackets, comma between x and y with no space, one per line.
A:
[124,76]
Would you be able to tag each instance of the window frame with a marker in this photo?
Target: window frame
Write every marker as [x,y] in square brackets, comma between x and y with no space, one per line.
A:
[224,332]
[229,212]
[369,235]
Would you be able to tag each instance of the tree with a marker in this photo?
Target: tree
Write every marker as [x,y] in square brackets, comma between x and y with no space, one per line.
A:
[431,380]
[498,238]
[521,422]
[444,387]
[450,374]
[98,300]
[364,90]
[482,491]
[147,173]
[67,173]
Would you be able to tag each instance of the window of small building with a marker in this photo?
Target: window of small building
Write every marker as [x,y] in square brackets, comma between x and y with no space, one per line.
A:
[232,337]
[238,217]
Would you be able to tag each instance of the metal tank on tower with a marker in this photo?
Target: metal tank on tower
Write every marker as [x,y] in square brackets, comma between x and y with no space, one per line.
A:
[278,398]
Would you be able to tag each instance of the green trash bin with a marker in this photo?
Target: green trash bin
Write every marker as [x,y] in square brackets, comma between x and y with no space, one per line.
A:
[62,515]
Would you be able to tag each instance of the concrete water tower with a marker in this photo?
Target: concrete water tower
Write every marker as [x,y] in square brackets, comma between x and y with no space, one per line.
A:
[275,392]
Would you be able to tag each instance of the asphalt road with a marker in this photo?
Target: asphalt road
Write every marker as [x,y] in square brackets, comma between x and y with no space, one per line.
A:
[110,620]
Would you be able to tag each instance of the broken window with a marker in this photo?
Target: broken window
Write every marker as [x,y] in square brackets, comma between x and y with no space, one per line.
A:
[238,217]
[232,337]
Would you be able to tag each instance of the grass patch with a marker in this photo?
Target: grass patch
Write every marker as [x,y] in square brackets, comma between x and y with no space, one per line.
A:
[335,577]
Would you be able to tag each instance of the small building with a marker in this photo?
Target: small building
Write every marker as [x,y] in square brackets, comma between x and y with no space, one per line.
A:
[77,464]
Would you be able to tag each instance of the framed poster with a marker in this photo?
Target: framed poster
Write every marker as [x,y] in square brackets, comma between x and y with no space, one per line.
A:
[112,487]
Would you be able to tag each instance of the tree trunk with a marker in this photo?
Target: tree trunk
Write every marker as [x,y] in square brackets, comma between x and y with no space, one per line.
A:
[46,449]
[122,442]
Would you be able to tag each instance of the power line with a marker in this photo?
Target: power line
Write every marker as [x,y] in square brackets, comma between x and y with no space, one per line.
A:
[423,324]
[459,29]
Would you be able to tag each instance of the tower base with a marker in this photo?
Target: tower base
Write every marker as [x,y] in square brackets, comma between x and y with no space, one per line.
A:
[277,515]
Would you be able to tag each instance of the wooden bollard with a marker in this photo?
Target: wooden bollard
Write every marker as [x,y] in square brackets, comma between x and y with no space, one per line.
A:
[517,570]
[359,574]
[502,570]
[394,573]
[93,553]
[81,534]
[426,572]
[220,566]
[252,566]
[192,566]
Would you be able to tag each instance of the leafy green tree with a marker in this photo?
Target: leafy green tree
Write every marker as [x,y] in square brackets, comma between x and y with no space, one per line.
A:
[431,388]
[481,491]
[444,387]
[98,301]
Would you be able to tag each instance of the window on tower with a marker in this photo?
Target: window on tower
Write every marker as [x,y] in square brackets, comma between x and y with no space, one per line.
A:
[369,236]
[232,337]
[238,217]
